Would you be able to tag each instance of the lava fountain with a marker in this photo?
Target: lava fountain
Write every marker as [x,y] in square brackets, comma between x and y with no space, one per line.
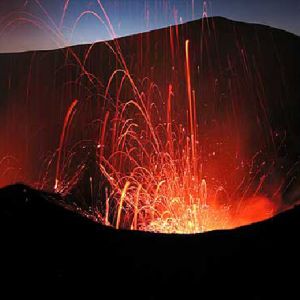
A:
[154,170]
[150,158]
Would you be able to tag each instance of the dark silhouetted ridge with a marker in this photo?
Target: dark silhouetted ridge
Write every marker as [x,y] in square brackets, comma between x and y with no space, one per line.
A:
[51,246]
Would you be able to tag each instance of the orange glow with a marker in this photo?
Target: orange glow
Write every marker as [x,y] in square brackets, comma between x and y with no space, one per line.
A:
[256,209]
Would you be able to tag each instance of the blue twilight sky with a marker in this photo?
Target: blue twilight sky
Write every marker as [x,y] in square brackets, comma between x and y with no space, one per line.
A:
[27,24]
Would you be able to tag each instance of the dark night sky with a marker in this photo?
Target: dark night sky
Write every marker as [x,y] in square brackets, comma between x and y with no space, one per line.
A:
[21,30]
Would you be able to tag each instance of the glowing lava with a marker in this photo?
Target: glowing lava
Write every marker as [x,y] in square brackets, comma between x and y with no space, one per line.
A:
[155,172]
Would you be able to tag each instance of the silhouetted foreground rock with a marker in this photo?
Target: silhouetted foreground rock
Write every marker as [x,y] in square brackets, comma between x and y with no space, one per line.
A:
[47,245]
